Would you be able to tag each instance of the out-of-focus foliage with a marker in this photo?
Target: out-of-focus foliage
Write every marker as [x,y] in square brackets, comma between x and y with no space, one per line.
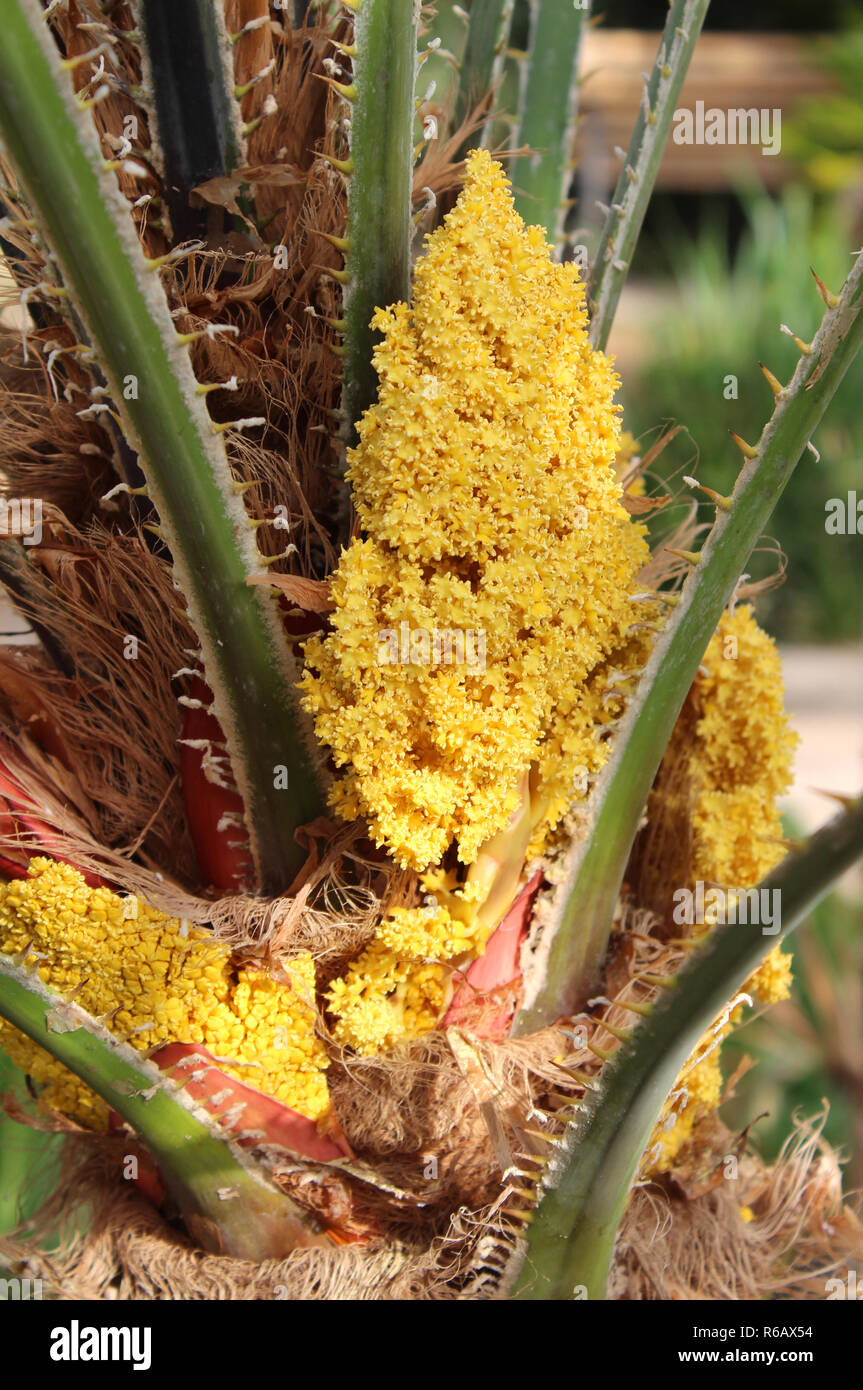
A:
[735,14]
[721,315]
[824,134]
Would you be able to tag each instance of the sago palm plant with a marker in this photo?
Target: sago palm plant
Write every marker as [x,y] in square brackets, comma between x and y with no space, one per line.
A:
[383,821]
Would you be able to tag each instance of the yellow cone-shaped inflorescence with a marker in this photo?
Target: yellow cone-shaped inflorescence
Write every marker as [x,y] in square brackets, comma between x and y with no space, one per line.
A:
[739,762]
[497,564]
[153,979]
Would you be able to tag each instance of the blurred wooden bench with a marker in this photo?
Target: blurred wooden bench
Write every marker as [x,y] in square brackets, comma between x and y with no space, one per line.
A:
[760,70]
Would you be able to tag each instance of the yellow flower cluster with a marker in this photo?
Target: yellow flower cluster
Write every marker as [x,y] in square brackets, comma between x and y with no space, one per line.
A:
[485,485]
[399,986]
[153,979]
[739,763]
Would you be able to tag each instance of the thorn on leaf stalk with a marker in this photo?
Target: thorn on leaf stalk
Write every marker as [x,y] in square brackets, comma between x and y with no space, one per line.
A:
[132,167]
[723,503]
[246,87]
[92,411]
[249,27]
[272,559]
[621,1034]
[156,262]
[251,126]
[101,94]
[805,348]
[70,64]
[343,277]
[348,91]
[251,422]
[748,451]
[428,206]
[773,382]
[203,388]
[847,802]
[644,1010]
[691,556]
[341,243]
[124,487]
[830,299]
[344,166]
[660,981]
[686,943]
[210,331]
[811,447]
